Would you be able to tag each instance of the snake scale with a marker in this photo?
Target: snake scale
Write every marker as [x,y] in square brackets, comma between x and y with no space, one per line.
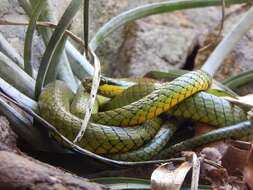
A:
[132,130]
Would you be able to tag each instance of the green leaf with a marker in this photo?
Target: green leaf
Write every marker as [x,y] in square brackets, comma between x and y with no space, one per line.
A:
[228,43]
[46,63]
[123,182]
[29,36]
[14,75]
[64,71]
[9,51]
[17,95]
[239,80]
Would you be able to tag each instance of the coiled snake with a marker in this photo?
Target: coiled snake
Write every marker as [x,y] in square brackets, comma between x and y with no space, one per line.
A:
[132,129]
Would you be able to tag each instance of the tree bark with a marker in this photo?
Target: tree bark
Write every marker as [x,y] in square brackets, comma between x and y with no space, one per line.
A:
[19,171]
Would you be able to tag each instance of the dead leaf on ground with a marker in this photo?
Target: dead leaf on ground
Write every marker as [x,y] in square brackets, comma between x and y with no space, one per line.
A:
[169,177]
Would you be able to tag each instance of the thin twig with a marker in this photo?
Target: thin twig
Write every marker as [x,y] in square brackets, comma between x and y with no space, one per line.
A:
[45,24]
[228,43]
[221,26]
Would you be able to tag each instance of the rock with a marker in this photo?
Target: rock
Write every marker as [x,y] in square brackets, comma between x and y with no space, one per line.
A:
[162,42]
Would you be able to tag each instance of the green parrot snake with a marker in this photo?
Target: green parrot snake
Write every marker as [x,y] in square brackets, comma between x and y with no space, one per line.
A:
[130,128]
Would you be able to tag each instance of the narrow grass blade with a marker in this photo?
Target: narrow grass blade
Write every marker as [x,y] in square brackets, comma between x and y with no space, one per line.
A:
[46,63]
[15,76]
[239,80]
[64,70]
[123,182]
[56,59]
[228,43]
[29,36]
[17,95]
[10,52]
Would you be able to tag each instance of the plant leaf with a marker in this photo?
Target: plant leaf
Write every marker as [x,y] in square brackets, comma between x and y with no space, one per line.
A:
[239,80]
[92,98]
[166,178]
[16,76]
[228,43]
[81,66]
[46,63]
[123,182]
[29,36]
[17,95]
[9,51]
[64,71]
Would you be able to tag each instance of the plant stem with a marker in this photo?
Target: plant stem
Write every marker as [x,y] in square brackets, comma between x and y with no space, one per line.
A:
[16,76]
[228,43]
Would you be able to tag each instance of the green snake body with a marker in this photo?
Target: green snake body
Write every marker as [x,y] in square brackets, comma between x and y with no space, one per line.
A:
[55,102]
[240,130]
[103,136]
[202,107]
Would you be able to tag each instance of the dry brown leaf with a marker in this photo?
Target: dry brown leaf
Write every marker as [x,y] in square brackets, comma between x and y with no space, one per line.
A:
[168,178]
[235,158]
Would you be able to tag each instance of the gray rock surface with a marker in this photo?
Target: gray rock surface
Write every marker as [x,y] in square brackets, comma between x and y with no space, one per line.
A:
[164,41]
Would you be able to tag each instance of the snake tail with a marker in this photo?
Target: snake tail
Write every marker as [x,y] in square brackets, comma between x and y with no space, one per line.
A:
[237,131]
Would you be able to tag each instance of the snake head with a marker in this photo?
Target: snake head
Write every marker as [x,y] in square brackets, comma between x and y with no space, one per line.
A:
[87,83]
[106,88]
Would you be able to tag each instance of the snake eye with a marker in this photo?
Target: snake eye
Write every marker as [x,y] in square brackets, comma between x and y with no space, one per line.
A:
[87,83]
[103,81]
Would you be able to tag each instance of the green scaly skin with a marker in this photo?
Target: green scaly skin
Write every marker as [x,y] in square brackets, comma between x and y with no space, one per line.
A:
[151,149]
[237,131]
[210,109]
[54,105]
[55,102]
[202,107]
[157,102]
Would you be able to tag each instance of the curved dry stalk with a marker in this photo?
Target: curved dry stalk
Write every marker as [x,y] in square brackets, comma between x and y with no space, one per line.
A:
[78,40]
[228,43]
